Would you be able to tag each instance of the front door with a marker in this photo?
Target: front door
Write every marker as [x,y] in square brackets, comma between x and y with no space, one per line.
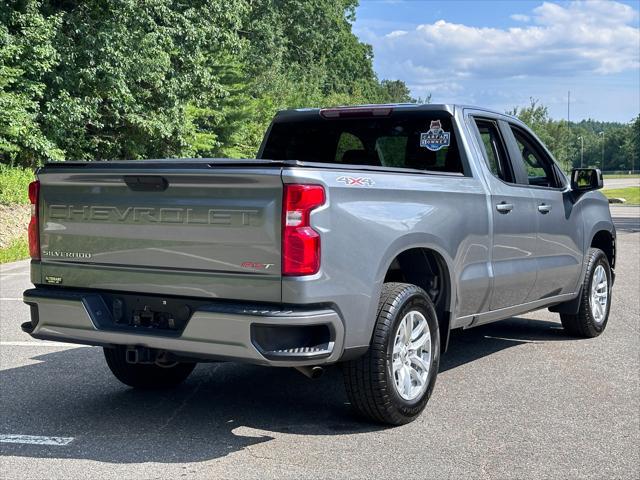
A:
[560,233]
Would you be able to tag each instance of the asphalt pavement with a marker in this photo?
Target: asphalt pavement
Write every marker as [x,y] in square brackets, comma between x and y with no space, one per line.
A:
[515,399]
[621,182]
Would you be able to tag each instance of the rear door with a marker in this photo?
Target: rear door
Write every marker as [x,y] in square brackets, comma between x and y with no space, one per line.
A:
[514,220]
[560,233]
[171,228]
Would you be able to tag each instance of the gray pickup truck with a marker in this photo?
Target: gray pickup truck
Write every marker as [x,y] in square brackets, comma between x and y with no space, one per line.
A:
[360,236]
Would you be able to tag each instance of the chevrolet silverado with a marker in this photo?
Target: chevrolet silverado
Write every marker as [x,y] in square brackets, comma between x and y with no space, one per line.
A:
[359,235]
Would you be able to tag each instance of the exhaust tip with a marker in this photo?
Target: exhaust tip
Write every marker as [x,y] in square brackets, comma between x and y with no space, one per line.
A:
[27,327]
[311,372]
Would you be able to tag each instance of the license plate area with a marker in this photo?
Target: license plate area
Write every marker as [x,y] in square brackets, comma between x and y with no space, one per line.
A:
[143,313]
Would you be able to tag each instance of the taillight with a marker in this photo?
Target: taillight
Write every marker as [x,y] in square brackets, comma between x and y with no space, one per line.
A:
[34,228]
[300,242]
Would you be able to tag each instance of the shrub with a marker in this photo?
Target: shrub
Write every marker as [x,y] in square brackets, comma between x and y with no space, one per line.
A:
[14,183]
[17,250]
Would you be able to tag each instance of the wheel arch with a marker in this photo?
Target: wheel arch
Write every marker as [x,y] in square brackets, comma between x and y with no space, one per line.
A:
[605,240]
[429,266]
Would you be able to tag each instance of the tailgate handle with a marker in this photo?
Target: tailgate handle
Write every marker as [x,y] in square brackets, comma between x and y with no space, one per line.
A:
[146,183]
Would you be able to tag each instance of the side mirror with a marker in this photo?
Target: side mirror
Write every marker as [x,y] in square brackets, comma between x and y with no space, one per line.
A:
[585,179]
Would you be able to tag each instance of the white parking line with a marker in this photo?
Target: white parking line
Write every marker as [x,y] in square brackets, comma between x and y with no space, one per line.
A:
[36,440]
[10,298]
[42,344]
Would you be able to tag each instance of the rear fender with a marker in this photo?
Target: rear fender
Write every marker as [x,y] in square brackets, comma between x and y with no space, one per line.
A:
[428,242]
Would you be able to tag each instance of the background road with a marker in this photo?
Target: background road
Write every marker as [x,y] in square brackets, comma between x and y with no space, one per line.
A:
[514,399]
[621,182]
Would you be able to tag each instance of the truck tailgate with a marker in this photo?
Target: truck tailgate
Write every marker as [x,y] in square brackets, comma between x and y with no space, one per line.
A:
[164,227]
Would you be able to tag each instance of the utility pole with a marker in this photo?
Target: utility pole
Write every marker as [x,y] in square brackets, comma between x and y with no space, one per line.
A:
[581,151]
[569,161]
[602,167]
[633,158]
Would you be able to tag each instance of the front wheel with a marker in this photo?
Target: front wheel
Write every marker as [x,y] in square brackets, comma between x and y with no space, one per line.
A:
[595,298]
[393,381]
[146,375]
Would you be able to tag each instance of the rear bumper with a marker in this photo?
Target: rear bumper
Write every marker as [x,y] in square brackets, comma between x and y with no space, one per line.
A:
[216,331]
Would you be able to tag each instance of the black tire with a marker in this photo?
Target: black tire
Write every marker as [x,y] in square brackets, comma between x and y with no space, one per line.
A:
[369,379]
[145,375]
[583,324]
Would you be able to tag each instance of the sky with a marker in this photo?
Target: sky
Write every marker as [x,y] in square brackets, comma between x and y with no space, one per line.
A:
[499,54]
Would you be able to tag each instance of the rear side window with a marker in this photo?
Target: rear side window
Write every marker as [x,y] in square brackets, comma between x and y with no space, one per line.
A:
[419,140]
[496,156]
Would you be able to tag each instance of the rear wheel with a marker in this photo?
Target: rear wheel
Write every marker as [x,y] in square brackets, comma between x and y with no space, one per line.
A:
[393,381]
[146,375]
[595,298]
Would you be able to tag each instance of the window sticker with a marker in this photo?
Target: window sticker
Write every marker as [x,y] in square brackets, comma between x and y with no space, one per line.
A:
[436,138]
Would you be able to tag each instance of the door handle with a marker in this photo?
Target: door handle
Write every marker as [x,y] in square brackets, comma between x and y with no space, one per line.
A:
[544,208]
[504,207]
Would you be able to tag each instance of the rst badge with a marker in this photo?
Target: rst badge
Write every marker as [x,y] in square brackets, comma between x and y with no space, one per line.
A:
[356,181]
[256,265]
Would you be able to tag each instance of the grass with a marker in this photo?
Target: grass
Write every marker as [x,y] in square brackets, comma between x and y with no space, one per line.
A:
[630,194]
[17,250]
[14,184]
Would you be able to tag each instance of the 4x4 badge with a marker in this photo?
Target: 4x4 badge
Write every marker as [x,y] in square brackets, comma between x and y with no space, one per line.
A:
[356,181]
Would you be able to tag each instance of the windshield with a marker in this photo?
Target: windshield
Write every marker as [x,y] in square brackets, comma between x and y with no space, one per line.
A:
[419,140]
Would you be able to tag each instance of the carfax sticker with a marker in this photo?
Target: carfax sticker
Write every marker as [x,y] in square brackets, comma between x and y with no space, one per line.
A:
[436,138]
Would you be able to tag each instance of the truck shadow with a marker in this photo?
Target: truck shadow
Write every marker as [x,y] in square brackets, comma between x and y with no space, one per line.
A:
[468,345]
[221,409]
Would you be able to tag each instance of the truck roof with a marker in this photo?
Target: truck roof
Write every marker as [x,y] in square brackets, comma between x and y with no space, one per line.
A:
[309,113]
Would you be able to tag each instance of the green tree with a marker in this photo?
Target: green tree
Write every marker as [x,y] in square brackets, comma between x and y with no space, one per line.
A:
[132,74]
[107,79]
[26,55]
[631,147]
[396,91]
[299,54]
[610,146]
[553,134]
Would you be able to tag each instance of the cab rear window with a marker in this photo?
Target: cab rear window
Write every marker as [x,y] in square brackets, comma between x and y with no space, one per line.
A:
[418,140]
